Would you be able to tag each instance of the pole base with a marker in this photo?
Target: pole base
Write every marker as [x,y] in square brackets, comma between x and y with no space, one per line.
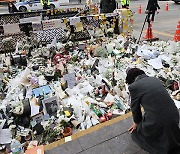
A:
[151,39]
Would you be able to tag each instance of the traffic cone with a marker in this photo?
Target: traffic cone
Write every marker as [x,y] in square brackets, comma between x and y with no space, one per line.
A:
[167,7]
[140,10]
[149,35]
[177,33]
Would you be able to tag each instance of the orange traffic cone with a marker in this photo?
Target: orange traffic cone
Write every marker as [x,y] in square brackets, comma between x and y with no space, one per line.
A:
[177,33]
[167,7]
[140,10]
[149,35]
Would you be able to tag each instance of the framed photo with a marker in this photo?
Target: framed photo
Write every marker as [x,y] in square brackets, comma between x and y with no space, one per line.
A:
[38,117]
[51,106]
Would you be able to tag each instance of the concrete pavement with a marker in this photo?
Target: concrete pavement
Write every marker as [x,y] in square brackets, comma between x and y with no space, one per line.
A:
[110,137]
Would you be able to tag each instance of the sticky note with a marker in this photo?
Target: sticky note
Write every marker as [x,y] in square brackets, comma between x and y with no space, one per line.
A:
[67,113]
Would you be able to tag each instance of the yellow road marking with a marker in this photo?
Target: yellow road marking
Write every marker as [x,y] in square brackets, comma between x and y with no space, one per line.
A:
[159,21]
[162,33]
[170,20]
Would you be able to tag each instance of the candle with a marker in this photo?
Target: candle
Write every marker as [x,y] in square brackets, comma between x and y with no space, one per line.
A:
[109,115]
[102,119]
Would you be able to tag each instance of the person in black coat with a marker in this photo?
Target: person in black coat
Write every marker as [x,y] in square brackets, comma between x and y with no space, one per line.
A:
[12,8]
[107,6]
[157,131]
[151,9]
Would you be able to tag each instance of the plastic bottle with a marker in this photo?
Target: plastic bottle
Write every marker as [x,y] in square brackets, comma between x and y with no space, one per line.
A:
[16,147]
[96,110]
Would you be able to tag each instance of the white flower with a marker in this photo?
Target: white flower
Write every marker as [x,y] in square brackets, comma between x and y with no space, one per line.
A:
[12,127]
[10,121]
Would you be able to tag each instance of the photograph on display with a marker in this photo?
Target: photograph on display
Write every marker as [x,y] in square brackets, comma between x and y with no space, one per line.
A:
[38,118]
[51,106]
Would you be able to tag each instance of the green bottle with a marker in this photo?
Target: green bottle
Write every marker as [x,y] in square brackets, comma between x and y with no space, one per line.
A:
[96,110]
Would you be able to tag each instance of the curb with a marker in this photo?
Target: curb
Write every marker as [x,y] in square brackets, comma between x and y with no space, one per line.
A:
[87,131]
[69,4]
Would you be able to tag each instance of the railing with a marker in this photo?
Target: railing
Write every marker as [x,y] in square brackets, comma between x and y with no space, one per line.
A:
[45,35]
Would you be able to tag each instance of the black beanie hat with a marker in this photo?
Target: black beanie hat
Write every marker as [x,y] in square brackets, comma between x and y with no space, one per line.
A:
[132,74]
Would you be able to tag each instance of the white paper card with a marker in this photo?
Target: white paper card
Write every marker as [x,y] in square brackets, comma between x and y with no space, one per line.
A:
[67,139]
[71,79]
[74,20]
[34,110]
[11,29]
[109,98]
[55,23]
[5,136]
[34,107]
[177,103]
[156,63]
[30,19]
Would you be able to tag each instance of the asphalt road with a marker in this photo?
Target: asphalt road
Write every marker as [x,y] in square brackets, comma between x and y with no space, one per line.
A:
[165,22]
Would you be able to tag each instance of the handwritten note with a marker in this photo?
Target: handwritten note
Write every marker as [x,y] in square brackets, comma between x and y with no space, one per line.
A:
[55,23]
[71,79]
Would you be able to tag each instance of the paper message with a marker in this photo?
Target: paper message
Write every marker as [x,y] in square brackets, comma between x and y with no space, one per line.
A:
[11,29]
[71,79]
[79,26]
[30,19]
[74,20]
[67,139]
[37,26]
[5,136]
[55,23]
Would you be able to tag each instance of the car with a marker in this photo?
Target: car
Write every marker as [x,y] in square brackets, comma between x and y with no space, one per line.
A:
[7,1]
[32,5]
[176,1]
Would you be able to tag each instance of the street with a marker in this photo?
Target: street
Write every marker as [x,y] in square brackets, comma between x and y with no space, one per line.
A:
[163,27]
[165,22]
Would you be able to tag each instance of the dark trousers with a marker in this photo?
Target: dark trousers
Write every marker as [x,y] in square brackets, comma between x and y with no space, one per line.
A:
[151,14]
[125,6]
[45,7]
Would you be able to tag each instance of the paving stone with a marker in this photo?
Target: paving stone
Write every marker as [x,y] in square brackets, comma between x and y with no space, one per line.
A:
[142,152]
[92,139]
[71,147]
[118,128]
[105,133]
[113,139]
[98,149]
[123,144]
